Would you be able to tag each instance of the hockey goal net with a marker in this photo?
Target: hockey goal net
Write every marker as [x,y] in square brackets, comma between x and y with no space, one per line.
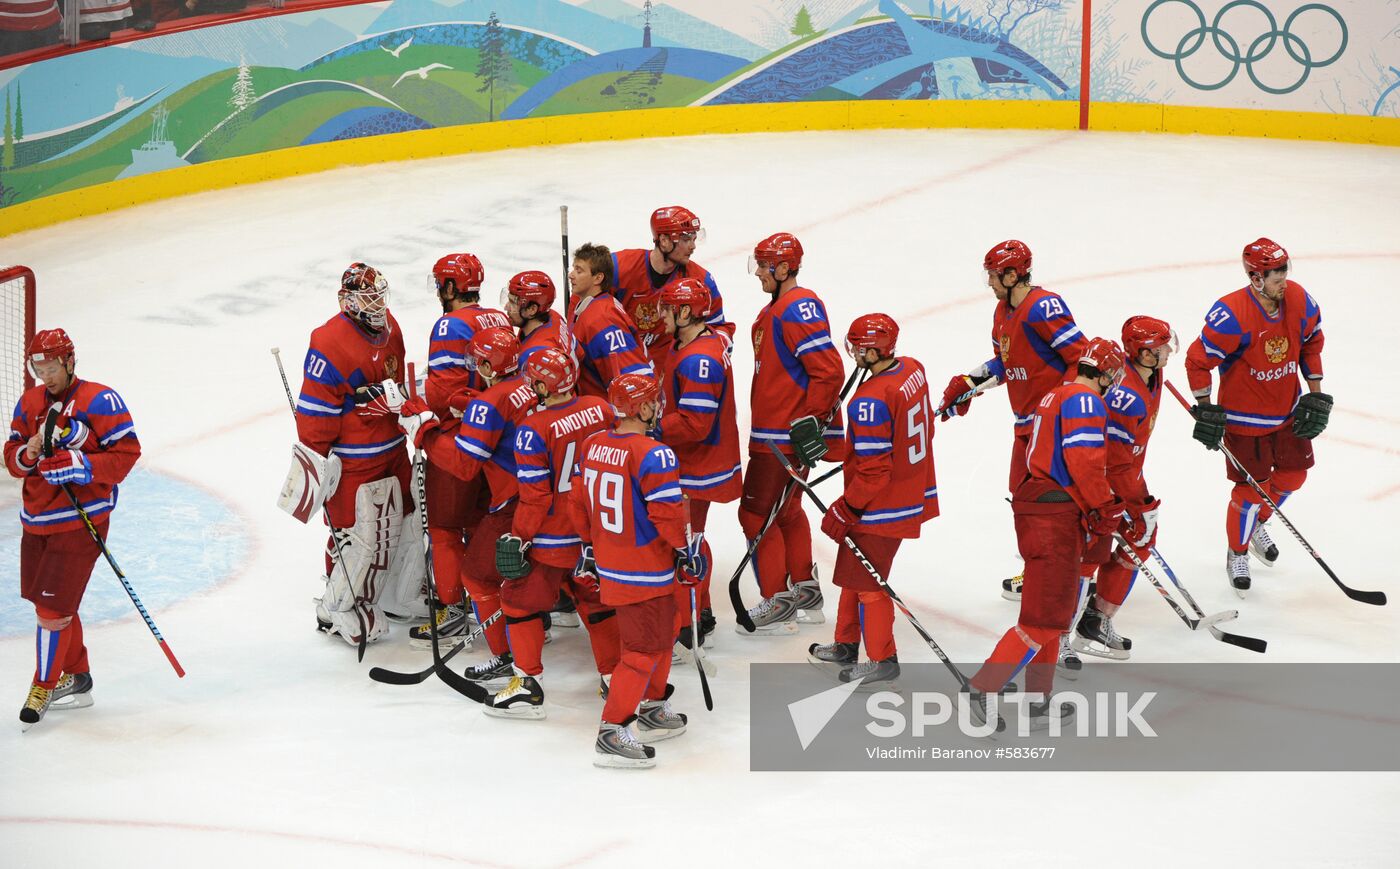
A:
[16,331]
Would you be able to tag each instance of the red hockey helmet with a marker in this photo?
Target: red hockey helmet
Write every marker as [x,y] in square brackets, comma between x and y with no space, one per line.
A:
[497,346]
[1263,256]
[872,332]
[463,269]
[364,295]
[675,220]
[628,392]
[555,367]
[687,291]
[1106,357]
[780,247]
[1147,333]
[531,286]
[1009,254]
[48,345]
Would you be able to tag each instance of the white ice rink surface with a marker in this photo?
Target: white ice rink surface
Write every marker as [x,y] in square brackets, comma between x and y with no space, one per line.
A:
[277,750]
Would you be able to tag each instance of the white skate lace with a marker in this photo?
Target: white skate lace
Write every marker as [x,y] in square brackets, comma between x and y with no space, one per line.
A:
[486,666]
[663,713]
[764,608]
[863,669]
[1109,632]
[1065,650]
[1261,537]
[626,739]
[1239,564]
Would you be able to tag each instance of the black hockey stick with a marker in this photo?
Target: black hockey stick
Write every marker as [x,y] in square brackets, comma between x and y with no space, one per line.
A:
[945,412]
[736,600]
[1375,598]
[50,422]
[875,574]
[393,677]
[457,683]
[564,250]
[335,533]
[696,653]
[1250,643]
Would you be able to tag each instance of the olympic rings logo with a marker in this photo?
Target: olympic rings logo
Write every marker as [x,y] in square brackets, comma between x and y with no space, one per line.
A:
[1260,48]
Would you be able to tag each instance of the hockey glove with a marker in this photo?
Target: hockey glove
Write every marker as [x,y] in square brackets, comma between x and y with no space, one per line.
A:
[586,570]
[417,420]
[72,437]
[692,564]
[959,386]
[839,519]
[807,440]
[1310,416]
[66,466]
[511,561]
[1210,424]
[1102,521]
[1143,523]
[380,399]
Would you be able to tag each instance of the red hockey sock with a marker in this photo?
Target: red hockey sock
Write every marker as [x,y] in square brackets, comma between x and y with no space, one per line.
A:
[770,560]
[629,684]
[1241,516]
[1281,485]
[55,652]
[848,617]
[449,554]
[1012,653]
[660,674]
[77,658]
[1040,673]
[605,641]
[797,544]
[1115,581]
[526,638]
[877,624]
[484,606]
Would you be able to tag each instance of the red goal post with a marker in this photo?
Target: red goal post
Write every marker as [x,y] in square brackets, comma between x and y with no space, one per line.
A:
[16,331]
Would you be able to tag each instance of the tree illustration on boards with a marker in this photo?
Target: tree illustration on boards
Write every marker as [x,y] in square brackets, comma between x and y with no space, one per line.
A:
[802,27]
[494,66]
[19,114]
[242,97]
[7,152]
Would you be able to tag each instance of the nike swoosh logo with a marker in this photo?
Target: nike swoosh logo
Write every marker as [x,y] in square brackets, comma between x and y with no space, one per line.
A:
[46,594]
[374,356]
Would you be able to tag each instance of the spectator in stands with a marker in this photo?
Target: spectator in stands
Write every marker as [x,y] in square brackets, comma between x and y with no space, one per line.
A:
[26,24]
[98,18]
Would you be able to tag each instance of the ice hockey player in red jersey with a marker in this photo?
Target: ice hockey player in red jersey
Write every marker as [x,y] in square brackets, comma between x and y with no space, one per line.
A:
[605,338]
[538,556]
[631,515]
[1261,337]
[700,422]
[797,376]
[482,448]
[455,505]
[1132,413]
[1035,346]
[890,491]
[363,451]
[527,300]
[641,275]
[91,448]
[1064,494]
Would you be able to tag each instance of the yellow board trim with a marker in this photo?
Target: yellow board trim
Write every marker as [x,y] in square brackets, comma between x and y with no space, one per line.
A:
[685,121]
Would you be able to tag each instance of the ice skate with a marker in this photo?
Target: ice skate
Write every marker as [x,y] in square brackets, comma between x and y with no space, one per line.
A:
[73,691]
[873,675]
[492,673]
[35,705]
[617,748]
[831,658]
[565,614]
[1095,635]
[1262,545]
[1069,663]
[807,597]
[774,616]
[657,721]
[1237,571]
[523,697]
[1042,714]
[451,622]
[1011,588]
[977,712]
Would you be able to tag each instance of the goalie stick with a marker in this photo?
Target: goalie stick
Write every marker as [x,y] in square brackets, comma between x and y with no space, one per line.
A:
[1375,598]
[393,677]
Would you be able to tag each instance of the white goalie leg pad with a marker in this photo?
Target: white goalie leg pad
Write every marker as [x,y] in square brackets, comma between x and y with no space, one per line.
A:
[363,555]
[311,479]
[403,591]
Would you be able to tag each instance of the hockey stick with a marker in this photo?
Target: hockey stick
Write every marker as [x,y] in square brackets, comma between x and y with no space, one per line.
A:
[393,677]
[736,600]
[945,412]
[695,627]
[457,683]
[564,249]
[335,533]
[1254,645]
[1375,598]
[50,421]
[1250,643]
[875,574]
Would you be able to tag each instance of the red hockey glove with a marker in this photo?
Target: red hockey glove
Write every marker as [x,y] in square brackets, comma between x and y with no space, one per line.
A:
[957,387]
[1102,521]
[839,519]
[1142,518]
[416,420]
[457,402]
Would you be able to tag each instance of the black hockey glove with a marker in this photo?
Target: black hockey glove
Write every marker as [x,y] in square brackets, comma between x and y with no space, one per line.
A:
[807,440]
[511,560]
[1310,417]
[1210,424]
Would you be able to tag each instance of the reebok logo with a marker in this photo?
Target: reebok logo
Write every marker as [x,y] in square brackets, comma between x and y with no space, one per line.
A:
[811,715]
